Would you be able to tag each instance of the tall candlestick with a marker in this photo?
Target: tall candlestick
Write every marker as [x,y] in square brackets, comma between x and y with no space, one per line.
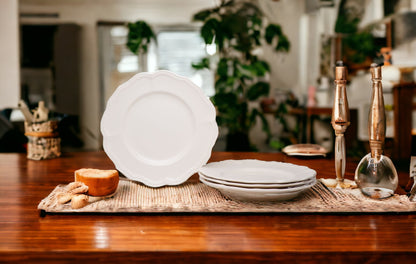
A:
[340,119]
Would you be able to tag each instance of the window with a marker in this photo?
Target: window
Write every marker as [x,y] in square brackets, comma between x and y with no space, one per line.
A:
[176,50]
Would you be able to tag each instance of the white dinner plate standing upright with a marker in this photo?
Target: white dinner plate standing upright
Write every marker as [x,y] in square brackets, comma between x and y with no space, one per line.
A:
[159,128]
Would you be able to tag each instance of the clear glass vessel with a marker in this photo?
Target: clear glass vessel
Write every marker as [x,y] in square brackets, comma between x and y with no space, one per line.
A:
[376,178]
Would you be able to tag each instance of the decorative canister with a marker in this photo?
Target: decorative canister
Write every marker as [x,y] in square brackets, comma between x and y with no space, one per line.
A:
[42,132]
[44,141]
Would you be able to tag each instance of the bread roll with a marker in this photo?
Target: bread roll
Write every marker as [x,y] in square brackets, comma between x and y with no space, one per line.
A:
[99,182]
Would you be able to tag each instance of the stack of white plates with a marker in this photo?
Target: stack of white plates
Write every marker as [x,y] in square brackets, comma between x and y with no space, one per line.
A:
[256,180]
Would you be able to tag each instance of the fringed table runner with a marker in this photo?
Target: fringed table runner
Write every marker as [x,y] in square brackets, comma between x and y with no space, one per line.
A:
[133,197]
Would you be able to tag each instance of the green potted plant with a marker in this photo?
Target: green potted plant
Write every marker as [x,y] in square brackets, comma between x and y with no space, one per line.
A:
[359,48]
[237,29]
[139,36]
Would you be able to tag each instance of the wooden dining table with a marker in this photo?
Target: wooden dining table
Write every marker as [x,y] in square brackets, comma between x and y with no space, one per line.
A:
[29,237]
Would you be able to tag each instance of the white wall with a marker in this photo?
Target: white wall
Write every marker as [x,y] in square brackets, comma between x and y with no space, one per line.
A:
[285,66]
[9,54]
[86,13]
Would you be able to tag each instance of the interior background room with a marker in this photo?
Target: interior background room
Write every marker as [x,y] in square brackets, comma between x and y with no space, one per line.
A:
[72,55]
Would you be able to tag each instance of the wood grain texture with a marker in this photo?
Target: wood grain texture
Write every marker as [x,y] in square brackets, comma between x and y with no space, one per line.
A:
[186,238]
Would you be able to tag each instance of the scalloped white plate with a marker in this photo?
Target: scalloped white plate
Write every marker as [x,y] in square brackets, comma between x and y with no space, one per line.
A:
[159,128]
[259,185]
[258,195]
[251,171]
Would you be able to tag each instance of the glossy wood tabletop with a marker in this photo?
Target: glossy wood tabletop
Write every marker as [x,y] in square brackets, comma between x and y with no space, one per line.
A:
[186,238]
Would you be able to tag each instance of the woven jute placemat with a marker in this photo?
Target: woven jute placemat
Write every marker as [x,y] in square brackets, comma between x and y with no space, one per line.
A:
[133,197]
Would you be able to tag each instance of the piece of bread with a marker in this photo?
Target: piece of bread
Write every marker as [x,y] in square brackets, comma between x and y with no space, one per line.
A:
[99,182]
[78,201]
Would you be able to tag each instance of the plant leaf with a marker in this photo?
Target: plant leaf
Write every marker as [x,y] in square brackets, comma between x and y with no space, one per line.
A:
[272,30]
[204,63]
[275,31]
[224,100]
[209,30]
[222,69]
[265,124]
[139,36]
[258,68]
[221,85]
[258,89]
[253,117]
[283,44]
